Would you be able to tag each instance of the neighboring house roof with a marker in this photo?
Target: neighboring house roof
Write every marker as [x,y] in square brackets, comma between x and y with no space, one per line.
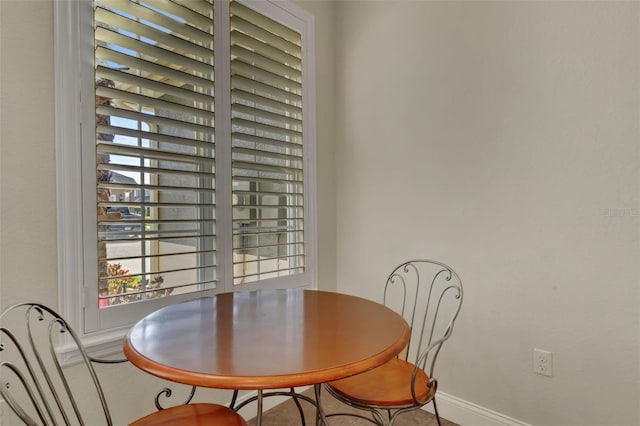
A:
[120,178]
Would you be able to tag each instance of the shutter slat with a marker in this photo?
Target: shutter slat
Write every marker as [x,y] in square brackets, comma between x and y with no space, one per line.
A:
[131,236]
[153,119]
[251,72]
[246,262]
[249,179]
[155,154]
[295,159]
[156,188]
[265,63]
[241,139]
[149,67]
[161,105]
[183,96]
[176,25]
[203,7]
[286,123]
[162,55]
[250,85]
[183,12]
[240,96]
[245,165]
[265,30]
[292,219]
[250,15]
[275,272]
[120,22]
[241,39]
[154,170]
[254,126]
[161,256]
[140,134]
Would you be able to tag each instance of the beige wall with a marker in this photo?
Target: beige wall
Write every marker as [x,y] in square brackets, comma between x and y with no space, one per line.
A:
[28,261]
[502,138]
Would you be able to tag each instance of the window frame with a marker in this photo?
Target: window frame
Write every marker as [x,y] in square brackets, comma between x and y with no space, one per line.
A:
[75,122]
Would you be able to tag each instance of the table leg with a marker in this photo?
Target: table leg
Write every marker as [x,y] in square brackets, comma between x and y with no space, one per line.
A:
[320,417]
[259,414]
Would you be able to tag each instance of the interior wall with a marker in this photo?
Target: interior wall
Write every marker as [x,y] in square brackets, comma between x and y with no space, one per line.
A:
[28,244]
[502,138]
[28,253]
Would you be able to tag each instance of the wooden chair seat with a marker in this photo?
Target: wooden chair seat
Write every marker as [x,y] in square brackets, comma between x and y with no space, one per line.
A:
[193,415]
[386,386]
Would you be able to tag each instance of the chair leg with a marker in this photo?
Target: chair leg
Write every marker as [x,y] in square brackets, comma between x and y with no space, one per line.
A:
[295,400]
[321,419]
[234,398]
[435,408]
[259,413]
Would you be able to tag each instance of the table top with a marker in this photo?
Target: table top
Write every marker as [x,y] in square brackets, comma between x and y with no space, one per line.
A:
[266,339]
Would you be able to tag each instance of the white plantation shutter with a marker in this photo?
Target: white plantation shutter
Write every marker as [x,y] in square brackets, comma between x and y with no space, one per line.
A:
[155,149]
[267,147]
[185,136]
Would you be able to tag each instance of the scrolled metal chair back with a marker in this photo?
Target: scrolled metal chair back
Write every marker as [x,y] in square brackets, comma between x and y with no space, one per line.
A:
[428,294]
[32,380]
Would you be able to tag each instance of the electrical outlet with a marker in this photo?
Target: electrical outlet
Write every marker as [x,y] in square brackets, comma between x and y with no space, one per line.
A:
[542,362]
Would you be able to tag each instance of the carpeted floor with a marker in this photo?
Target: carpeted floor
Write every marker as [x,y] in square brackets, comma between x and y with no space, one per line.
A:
[286,414]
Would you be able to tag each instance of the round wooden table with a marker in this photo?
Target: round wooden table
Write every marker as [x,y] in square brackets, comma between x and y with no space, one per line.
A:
[266,339]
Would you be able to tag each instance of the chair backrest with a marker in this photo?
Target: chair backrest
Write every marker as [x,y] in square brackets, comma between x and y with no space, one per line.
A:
[428,294]
[32,380]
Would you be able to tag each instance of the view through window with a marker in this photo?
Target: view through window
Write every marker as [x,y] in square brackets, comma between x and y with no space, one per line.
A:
[157,139]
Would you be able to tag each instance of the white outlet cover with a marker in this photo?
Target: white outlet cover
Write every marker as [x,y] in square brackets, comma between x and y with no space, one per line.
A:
[543,362]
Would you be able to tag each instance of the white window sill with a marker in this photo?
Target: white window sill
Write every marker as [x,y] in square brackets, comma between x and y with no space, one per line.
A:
[101,346]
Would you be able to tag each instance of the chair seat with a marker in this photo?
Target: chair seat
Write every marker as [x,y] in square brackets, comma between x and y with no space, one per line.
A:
[193,415]
[386,386]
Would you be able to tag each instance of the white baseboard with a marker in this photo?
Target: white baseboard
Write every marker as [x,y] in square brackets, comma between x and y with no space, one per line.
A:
[466,413]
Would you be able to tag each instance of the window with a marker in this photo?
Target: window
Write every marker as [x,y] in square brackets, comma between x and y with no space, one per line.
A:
[195,120]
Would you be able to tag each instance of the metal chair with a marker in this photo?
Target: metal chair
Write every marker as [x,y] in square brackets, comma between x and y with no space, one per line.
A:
[428,295]
[40,391]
